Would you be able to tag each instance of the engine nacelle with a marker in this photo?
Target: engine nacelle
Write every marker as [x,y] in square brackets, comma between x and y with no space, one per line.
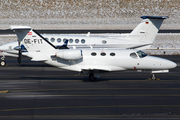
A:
[69,54]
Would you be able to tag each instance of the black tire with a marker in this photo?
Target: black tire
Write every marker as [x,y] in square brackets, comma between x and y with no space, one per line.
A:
[3,63]
[91,77]
[153,77]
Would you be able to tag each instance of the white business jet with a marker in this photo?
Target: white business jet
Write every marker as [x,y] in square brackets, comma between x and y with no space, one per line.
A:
[88,61]
[140,38]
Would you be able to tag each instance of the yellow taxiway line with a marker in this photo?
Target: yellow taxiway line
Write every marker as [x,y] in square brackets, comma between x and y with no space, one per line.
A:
[4,91]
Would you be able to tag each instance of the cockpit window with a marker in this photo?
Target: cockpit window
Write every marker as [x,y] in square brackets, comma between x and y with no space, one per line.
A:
[141,54]
[133,55]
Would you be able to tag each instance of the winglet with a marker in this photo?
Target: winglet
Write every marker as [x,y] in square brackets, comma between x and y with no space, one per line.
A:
[64,46]
[65,43]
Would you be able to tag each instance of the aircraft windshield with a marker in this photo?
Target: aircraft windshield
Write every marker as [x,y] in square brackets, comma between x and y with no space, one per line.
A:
[141,54]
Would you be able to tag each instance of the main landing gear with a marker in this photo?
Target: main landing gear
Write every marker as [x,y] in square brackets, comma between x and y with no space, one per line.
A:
[93,76]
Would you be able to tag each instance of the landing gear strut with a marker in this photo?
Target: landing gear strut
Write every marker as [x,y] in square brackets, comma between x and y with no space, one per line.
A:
[91,77]
[3,63]
[153,77]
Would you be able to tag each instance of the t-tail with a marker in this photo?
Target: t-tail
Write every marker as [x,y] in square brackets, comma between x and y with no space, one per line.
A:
[36,45]
[147,30]
[32,40]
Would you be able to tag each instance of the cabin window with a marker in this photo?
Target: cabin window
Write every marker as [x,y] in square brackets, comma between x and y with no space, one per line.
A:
[70,40]
[52,39]
[77,41]
[47,39]
[59,40]
[104,41]
[83,41]
[133,55]
[93,54]
[64,40]
[103,54]
[112,54]
[141,54]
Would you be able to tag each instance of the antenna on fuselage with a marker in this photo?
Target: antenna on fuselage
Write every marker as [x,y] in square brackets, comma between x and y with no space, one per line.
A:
[88,34]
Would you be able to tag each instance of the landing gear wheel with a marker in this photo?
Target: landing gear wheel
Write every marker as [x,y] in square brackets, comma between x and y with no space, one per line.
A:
[91,77]
[153,77]
[3,63]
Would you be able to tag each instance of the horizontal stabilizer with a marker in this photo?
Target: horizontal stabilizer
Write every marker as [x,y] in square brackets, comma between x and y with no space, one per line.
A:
[20,27]
[154,17]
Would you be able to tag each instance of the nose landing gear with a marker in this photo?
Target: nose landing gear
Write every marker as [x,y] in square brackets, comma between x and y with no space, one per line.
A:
[3,63]
[153,77]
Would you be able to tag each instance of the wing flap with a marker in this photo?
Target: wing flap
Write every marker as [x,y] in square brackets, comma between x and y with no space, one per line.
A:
[37,56]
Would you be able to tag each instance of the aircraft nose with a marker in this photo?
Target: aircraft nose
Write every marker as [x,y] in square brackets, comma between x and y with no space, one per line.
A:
[172,64]
[169,64]
[8,46]
[3,47]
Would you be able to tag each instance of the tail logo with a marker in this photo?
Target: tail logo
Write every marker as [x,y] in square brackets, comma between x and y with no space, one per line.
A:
[29,33]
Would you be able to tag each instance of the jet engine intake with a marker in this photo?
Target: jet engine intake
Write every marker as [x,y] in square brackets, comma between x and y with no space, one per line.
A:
[69,54]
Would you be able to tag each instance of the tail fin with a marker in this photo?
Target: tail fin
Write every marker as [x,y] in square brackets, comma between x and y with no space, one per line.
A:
[147,30]
[32,40]
[36,45]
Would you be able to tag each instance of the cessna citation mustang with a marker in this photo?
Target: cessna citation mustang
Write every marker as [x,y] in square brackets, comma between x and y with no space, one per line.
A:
[86,60]
[140,38]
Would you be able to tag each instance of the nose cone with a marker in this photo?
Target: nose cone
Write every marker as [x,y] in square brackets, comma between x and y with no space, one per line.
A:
[4,47]
[9,46]
[157,63]
[169,64]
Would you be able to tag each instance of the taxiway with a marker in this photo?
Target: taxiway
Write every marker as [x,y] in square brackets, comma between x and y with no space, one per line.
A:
[34,90]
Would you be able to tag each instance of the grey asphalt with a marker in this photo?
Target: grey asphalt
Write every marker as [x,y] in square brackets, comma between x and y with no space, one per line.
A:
[34,90]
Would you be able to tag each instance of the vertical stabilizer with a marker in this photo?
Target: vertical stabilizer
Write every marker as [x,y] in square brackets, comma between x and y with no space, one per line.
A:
[147,30]
[36,45]
[32,40]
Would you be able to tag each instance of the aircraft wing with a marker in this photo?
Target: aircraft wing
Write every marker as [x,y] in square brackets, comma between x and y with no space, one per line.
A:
[37,56]
[102,68]
[145,46]
[8,54]
[38,59]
